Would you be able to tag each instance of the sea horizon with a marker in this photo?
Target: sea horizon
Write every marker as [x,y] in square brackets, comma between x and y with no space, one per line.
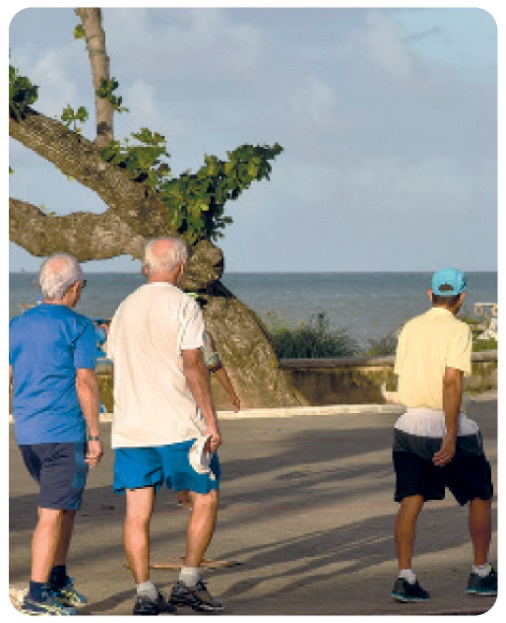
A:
[368,305]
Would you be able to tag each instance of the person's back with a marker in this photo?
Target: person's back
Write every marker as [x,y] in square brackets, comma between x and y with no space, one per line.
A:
[427,345]
[46,349]
[153,402]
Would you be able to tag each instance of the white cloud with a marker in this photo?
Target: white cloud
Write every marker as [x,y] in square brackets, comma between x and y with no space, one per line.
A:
[386,49]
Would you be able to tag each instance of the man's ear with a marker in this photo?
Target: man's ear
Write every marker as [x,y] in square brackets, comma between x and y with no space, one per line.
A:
[430,294]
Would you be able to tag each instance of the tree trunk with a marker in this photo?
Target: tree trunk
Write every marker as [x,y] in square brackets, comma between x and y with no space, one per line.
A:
[99,63]
[248,355]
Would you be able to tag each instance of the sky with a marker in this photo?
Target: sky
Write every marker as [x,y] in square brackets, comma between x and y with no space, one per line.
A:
[387,117]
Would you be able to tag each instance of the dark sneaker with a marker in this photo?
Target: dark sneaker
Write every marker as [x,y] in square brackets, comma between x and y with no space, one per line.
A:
[197,598]
[50,606]
[68,595]
[477,585]
[406,592]
[145,606]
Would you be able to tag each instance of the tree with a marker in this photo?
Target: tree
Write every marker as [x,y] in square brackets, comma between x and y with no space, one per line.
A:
[143,201]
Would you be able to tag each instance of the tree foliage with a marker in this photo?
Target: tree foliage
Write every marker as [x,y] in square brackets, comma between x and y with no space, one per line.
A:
[195,202]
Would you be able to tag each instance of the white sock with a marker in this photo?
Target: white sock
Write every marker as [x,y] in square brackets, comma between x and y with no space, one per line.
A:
[408,575]
[481,570]
[147,589]
[190,575]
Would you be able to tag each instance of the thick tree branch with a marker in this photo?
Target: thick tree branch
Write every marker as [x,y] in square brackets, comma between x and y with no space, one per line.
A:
[74,155]
[87,236]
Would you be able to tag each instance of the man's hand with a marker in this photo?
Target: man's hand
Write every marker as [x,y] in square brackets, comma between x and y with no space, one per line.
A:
[95,453]
[447,451]
[214,441]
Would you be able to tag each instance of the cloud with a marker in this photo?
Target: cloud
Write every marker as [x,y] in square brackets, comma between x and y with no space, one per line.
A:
[194,47]
[384,45]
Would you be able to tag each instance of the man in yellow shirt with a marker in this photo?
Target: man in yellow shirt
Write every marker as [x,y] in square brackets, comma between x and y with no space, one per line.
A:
[435,445]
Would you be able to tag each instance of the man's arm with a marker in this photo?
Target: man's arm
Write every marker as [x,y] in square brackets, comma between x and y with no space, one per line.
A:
[222,376]
[88,395]
[197,377]
[452,396]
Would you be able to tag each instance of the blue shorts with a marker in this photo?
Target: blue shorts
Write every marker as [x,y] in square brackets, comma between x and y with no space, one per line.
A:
[60,470]
[135,468]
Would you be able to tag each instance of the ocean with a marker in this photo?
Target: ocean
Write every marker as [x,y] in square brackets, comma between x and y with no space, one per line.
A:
[368,306]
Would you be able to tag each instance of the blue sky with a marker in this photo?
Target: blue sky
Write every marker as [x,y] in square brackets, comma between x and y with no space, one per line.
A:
[388,118]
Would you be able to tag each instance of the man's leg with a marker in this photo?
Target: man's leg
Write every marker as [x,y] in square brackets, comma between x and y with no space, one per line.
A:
[201,524]
[405,529]
[67,528]
[45,541]
[139,508]
[190,590]
[480,528]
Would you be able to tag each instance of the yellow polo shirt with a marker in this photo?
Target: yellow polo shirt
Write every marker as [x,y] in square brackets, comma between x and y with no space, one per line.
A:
[427,345]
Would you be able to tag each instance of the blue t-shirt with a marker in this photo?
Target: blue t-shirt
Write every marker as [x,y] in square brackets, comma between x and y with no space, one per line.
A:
[46,346]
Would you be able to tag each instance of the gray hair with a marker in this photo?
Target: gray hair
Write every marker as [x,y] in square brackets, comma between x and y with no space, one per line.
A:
[57,274]
[165,258]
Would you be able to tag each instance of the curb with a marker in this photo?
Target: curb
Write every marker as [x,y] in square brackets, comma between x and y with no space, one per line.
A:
[287,412]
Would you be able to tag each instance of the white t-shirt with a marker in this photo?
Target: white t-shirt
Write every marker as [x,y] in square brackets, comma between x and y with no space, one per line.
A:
[153,404]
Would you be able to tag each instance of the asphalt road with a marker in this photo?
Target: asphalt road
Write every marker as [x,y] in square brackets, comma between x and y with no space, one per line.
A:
[306,515]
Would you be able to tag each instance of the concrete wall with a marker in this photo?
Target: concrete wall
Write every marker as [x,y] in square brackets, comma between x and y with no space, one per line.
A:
[363,380]
[350,380]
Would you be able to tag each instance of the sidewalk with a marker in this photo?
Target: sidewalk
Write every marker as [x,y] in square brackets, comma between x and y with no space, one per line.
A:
[306,511]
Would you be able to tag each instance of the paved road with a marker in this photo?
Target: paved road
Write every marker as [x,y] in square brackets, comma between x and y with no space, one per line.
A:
[307,511]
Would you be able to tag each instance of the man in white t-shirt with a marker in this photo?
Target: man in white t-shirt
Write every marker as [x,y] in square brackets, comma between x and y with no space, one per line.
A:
[163,412]
[435,445]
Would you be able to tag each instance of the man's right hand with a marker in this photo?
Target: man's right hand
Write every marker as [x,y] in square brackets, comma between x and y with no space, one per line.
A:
[215,440]
[95,453]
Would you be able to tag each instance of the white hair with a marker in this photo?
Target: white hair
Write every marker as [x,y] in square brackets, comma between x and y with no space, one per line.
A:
[165,258]
[57,274]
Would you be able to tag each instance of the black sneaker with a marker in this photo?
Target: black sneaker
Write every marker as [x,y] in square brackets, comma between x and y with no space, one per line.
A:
[477,585]
[197,598]
[406,592]
[146,606]
[49,605]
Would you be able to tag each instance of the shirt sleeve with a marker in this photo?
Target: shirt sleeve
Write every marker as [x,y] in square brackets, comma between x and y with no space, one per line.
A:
[460,349]
[191,329]
[85,351]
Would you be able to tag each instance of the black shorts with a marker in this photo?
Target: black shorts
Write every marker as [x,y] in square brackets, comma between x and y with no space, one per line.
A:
[467,476]
[61,472]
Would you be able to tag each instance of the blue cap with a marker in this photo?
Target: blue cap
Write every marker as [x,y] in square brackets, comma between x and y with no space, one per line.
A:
[448,282]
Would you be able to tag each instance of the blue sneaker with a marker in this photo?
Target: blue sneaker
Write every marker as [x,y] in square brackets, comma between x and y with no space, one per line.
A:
[67,595]
[49,605]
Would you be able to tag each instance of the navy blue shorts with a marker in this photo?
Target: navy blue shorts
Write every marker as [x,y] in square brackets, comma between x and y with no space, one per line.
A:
[61,472]
[135,468]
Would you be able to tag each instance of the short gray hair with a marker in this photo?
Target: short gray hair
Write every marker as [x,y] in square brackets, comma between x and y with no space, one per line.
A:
[173,255]
[57,274]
